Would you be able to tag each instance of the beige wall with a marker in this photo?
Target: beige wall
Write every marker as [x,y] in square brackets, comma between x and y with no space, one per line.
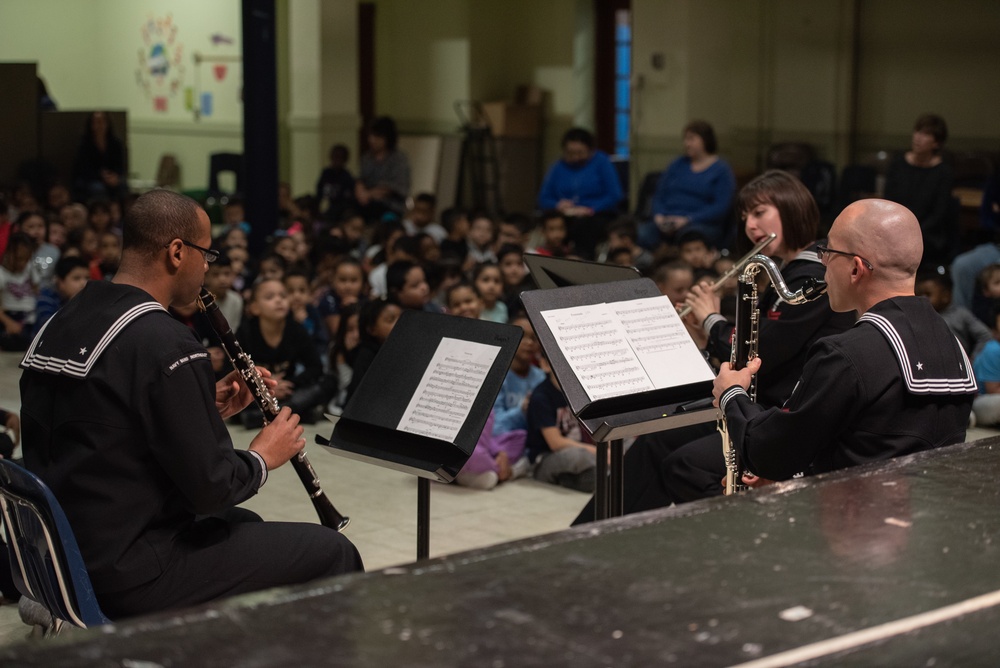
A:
[760,70]
[764,71]
[924,56]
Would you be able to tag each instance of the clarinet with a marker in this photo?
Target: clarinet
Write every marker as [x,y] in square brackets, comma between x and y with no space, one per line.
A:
[328,515]
[746,337]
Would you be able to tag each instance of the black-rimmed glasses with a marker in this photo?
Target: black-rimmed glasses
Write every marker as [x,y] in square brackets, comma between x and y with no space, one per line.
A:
[823,250]
[209,254]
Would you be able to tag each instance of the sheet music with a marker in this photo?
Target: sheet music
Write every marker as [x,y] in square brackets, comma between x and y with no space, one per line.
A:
[661,342]
[596,346]
[448,388]
[627,347]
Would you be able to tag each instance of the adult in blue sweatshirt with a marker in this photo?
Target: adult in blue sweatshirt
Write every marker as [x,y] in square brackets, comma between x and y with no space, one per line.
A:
[694,194]
[583,185]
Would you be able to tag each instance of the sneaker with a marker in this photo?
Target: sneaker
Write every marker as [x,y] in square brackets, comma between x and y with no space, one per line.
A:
[520,468]
[485,480]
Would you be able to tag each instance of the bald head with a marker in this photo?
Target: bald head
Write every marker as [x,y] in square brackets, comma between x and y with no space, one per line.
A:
[878,247]
[886,234]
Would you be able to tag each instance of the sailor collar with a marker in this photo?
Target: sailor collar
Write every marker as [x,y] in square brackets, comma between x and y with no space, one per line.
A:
[915,332]
[72,341]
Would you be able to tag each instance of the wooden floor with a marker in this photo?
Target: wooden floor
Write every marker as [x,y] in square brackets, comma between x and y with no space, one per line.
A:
[381,504]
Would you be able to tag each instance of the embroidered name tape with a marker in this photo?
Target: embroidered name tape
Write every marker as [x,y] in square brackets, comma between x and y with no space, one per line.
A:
[184,360]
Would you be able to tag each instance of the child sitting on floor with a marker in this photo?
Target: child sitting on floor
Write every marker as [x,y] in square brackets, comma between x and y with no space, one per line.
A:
[279,344]
[491,462]
[72,274]
[557,445]
[488,281]
[17,292]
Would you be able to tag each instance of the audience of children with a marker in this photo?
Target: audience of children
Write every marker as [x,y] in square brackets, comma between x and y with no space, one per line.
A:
[316,306]
[968,329]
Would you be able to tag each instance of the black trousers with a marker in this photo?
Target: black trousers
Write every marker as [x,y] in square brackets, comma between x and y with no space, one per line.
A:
[232,554]
[656,467]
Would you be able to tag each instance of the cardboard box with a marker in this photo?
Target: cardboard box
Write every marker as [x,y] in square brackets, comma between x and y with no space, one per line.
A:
[513,120]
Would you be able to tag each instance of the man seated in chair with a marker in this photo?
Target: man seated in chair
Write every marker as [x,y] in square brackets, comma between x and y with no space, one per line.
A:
[122,419]
[896,383]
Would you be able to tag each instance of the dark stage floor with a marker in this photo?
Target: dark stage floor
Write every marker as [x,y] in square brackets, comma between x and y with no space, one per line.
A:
[892,565]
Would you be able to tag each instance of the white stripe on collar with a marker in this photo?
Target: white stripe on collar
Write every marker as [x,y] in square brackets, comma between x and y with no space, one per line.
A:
[964,385]
[67,367]
[809,256]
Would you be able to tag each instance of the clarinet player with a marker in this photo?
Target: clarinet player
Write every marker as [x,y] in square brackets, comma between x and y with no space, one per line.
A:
[896,383]
[121,417]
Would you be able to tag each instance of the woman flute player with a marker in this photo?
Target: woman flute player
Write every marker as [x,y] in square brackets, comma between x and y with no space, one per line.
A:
[686,464]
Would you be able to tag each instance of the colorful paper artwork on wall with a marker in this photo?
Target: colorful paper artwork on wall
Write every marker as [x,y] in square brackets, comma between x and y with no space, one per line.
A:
[161,67]
[206,104]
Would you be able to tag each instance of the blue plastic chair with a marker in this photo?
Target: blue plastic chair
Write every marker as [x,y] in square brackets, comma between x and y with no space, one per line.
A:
[45,559]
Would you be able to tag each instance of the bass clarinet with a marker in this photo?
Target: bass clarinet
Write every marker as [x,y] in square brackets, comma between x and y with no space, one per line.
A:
[328,515]
[746,337]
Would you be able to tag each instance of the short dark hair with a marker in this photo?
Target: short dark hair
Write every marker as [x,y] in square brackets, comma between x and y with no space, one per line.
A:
[581,135]
[157,218]
[459,286]
[550,214]
[385,127]
[795,204]
[368,316]
[519,220]
[942,280]
[450,216]
[344,152]
[704,130]
[395,275]
[68,264]
[624,227]
[426,198]
[407,244]
[933,125]
[693,236]
[510,249]
[662,271]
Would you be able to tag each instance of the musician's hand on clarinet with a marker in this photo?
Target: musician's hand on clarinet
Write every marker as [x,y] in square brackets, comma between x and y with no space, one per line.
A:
[728,377]
[232,395]
[280,439]
[751,480]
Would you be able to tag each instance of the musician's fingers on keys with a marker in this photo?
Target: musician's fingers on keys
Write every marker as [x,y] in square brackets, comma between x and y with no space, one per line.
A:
[728,377]
[279,440]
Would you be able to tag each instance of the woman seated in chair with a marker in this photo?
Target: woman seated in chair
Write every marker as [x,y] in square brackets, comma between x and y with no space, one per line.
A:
[584,187]
[384,182]
[694,193]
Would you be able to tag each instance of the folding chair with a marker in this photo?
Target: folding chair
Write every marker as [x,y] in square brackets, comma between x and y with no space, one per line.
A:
[45,559]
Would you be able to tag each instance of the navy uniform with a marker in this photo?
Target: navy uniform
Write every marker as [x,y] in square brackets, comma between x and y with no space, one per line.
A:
[896,383]
[686,464]
[119,419]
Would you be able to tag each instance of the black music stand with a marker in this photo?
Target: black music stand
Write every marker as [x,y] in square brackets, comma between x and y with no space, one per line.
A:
[611,420]
[560,272]
[369,431]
